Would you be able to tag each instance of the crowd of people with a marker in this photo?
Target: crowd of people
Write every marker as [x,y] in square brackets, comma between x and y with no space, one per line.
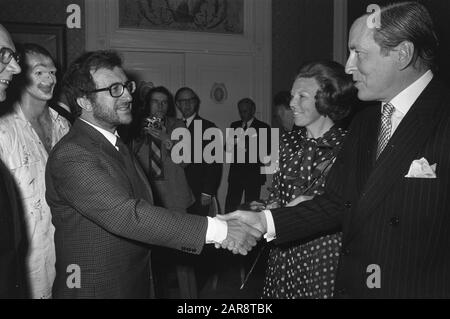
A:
[90,191]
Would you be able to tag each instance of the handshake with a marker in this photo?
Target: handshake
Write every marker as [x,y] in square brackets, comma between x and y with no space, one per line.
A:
[245,228]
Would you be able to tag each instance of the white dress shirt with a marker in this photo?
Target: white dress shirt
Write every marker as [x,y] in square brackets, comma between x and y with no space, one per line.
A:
[217,229]
[249,123]
[402,103]
[405,99]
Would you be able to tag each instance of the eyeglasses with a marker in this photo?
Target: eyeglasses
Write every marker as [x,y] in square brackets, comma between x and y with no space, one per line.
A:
[117,89]
[6,54]
[187,101]
[158,102]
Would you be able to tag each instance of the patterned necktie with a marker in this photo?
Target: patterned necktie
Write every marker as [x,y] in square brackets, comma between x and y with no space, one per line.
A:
[386,127]
[155,159]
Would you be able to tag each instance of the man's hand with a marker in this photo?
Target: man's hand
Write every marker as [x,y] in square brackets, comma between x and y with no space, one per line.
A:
[298,200]
[159,134]
[257,206]
[256,220]
[241,238]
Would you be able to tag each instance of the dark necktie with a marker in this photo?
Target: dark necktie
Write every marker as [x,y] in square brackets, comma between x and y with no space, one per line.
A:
[136,182]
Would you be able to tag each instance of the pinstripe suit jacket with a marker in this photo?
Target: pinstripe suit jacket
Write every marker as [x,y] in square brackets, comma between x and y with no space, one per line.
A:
[400,224]
[100,224]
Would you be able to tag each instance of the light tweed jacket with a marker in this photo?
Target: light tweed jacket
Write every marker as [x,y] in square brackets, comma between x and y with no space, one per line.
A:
[100,224]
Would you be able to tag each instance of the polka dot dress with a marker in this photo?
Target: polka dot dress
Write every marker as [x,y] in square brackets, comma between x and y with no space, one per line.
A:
[307,270]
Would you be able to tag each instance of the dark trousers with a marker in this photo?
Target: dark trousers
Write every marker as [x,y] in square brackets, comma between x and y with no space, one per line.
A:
[250,187]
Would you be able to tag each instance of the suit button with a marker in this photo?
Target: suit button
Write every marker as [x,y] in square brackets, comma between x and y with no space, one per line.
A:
[394,221]
[348,205]
[341,291]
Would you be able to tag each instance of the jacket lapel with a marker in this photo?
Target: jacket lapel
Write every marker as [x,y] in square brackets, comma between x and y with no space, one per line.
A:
[368,142]
[404,147]
[101,145]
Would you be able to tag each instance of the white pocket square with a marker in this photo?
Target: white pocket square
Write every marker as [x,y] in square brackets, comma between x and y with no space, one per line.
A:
[422,169]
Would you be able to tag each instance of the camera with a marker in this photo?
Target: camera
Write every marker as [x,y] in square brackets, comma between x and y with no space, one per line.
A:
[153,122]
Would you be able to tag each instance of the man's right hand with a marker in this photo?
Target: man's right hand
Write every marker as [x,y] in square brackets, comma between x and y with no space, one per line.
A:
[254,221]
[241,238]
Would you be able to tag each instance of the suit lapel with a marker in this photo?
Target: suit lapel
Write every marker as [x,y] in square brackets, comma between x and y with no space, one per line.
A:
[404,147]
[101,145]
[368,142]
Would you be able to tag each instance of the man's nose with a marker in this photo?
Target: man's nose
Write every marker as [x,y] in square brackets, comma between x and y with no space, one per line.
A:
[350,66]
[127,95]
[14,67]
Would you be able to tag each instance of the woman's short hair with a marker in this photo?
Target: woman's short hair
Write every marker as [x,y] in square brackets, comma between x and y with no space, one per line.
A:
[336,94]
[171,112]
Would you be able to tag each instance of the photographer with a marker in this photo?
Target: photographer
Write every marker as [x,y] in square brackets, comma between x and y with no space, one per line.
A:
[152,147]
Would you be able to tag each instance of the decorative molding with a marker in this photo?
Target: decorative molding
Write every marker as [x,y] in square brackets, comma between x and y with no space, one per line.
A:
[219,93]
[340,31]
[182,40]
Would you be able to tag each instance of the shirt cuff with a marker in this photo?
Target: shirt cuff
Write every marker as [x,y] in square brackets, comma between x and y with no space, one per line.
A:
[217,231]
[271,234]
[206,194]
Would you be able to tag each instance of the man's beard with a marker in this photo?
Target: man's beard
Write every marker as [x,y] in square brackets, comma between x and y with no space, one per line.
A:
[105,115]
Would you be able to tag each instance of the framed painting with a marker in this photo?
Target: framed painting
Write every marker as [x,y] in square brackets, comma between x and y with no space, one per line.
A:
[212,16]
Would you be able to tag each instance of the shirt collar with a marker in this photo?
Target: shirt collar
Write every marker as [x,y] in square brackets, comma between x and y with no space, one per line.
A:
[405,99]
[21,116]
[249,123]
[190,119]
[112,138]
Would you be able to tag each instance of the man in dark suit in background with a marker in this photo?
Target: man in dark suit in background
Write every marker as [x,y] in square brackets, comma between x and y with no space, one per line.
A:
[388,189]
[100,199]
[203,178]
[13,239]
[245,177]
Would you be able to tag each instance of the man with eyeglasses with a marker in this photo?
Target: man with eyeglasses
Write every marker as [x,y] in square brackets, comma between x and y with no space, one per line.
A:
[27,135]
[12,233]
[101,202]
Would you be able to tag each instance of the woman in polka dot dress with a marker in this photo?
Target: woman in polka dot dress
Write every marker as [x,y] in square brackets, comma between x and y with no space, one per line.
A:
[321,95]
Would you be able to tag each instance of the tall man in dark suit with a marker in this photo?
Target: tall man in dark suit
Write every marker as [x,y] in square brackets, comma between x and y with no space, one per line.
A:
[203,178]
[388,189]
[13,243]
[101,202]
[245,177]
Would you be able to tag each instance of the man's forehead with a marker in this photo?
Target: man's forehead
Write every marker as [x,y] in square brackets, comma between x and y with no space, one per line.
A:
[186,94]
[5,39]
[245,105]
[37,59]
[109,76]
[360,34]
